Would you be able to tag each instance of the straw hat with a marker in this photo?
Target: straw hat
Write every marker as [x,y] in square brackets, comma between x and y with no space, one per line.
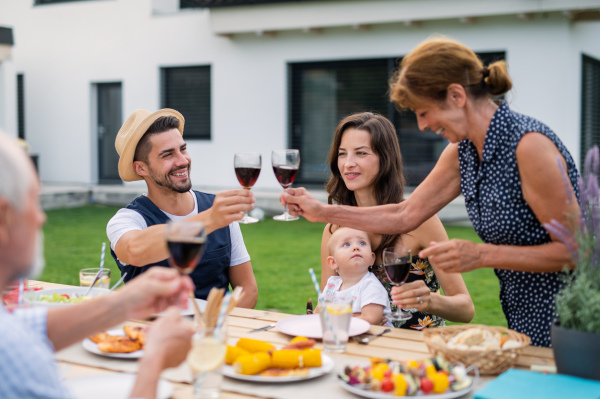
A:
[130,134]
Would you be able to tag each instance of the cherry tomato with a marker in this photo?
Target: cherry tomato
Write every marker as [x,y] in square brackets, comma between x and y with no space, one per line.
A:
[65,296]
[426,385]
[387,385]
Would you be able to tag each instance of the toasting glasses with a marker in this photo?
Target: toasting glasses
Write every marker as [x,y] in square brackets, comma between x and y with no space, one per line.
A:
[285,165]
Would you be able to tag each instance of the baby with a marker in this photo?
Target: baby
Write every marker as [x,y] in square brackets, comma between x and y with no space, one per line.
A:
[350,255]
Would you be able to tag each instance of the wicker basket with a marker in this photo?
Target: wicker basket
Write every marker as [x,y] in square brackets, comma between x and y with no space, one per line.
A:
[491,362]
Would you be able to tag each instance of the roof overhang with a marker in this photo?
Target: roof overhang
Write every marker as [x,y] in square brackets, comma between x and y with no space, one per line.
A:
[312,16]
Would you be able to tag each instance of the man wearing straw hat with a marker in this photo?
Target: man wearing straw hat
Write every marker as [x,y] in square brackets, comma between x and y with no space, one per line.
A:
[151,147]
[29,336]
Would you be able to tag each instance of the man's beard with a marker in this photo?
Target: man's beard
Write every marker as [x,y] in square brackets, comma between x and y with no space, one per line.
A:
[168,183]
[37,264]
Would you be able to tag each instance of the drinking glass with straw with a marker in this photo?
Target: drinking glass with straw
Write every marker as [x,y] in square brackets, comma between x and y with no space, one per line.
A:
[335,320]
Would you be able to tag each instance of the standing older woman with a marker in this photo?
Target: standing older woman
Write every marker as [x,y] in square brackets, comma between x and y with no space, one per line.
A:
[505,165]
[366,170]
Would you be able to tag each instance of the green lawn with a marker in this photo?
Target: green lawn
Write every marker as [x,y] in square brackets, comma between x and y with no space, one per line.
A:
[281,255]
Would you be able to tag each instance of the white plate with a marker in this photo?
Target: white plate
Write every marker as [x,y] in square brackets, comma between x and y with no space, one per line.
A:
[32,297]
[91,346]
[113,386]
[310,326]
[313,372]
[383,395]
[190,308]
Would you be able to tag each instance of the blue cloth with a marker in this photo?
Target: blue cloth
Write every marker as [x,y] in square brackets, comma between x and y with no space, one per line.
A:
[213,268]
[520,384]
[501,216]
[27,365]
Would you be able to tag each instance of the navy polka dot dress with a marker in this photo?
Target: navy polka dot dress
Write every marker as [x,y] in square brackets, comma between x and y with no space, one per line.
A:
[500,215]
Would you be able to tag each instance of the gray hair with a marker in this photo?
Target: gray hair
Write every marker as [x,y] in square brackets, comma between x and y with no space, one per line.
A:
[16,177]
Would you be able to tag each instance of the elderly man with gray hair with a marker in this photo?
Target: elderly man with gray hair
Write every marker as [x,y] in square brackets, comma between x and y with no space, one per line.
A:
[29,337]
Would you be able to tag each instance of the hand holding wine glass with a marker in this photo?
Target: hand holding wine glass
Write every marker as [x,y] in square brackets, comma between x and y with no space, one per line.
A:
[285,166]
[247,168]
[397,264]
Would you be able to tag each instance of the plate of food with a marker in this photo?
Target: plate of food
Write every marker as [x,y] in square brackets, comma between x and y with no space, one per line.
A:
[111,385]
[310,326]
[125,343]
[429,378]
[259,361]
[59,297]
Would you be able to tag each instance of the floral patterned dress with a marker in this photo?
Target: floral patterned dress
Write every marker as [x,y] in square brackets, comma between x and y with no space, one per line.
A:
[421,270]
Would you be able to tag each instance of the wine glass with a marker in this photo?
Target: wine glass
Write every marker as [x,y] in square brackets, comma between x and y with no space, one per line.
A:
[247,168]
[285,165]
[397,264]
[186,241]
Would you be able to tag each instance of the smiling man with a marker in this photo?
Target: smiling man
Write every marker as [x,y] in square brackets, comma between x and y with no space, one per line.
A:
[151,147]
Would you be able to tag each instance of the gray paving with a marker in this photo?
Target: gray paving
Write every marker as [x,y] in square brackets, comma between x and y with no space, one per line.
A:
[56,196]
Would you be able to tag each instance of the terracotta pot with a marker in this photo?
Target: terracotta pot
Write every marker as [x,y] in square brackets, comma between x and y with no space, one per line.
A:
[576,353]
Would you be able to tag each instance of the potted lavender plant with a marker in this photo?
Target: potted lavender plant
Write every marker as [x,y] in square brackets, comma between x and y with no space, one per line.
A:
[576,335]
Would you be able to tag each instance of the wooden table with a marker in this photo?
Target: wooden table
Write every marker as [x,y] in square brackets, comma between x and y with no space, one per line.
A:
[400,344]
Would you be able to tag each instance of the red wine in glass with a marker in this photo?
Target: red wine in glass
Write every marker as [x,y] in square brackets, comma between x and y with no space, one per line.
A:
[285,175]
[185,240]
[397,264]
[186,252]
[285,166]
[247,168]
[397,272]
[247,176]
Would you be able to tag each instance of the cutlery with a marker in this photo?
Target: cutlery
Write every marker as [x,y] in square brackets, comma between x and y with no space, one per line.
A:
[118,282]
[93,282]
[263,328]
[368,339]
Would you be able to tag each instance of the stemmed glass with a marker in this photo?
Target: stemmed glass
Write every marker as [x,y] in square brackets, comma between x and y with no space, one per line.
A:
[397,264]
[185,240]
[247,168]
[285,165]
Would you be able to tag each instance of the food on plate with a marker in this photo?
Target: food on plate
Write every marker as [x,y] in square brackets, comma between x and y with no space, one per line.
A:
[254,345]
[233,352]
[429,376]
[253,363]
[63,298]
[120,344]
[136,333]
[294,359]
[132,341]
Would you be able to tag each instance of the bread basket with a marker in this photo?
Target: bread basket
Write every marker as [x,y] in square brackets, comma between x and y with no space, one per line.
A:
[489,362]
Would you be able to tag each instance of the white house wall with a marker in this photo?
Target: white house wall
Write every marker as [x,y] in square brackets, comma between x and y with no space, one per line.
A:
[64,49]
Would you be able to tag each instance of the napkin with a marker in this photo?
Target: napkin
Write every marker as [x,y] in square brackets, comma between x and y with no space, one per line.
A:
[520,384]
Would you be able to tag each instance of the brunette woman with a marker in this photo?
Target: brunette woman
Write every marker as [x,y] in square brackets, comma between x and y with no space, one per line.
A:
[366,170]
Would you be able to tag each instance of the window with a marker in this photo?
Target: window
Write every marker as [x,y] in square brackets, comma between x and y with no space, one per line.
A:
[21,106]
[187,89]
[323,93]
[590,104]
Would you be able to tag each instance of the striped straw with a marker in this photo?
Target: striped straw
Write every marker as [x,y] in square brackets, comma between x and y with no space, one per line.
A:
[222,314]
[314,280]
[21,288]
[102,255]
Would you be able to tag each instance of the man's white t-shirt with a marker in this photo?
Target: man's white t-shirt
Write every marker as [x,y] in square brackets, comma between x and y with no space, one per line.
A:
[126,220]
[368,290]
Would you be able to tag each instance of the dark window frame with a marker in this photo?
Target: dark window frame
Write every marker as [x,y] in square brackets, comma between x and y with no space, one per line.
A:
[590,102]
[49,2]
[195,104]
